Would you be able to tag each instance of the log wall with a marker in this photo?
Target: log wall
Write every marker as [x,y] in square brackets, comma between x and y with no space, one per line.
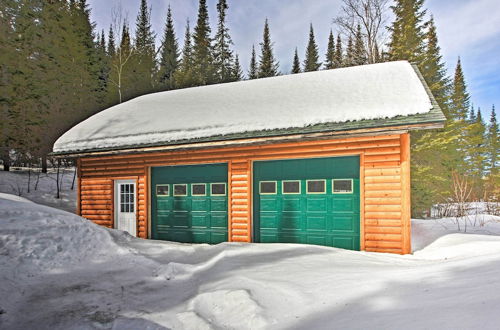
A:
[384,179]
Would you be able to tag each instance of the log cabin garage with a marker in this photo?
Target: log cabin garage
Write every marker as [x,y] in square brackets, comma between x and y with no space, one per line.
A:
[313,158]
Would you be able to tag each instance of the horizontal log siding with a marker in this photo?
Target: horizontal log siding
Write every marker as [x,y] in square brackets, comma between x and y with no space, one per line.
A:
[240,200]
[385,224]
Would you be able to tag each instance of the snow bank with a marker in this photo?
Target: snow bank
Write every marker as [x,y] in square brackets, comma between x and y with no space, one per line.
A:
[382,90]
[36,238]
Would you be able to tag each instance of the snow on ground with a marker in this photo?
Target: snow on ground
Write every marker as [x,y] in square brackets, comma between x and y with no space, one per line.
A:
[59,271]
[16,182]
[382,90]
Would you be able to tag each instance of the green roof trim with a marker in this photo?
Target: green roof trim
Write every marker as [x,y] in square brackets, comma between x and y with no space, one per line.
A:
[433,117]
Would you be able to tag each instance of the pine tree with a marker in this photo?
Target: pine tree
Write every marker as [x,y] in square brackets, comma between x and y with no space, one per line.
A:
[407,35]
[339,57]
[223,55]
[237,71]
[103,62]
[268,65]
[492,184]
[202,48]
[253,73]
[475,153]
[111,43]
[472,115]
[359,57]
[330,53]
[349,58]
[460,103]
[169,58]
[144,64]
[311,62]
[433,69]
[295,63]
[184,76]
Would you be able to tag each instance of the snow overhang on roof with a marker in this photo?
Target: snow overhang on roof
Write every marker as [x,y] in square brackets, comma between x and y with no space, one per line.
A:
[376,95]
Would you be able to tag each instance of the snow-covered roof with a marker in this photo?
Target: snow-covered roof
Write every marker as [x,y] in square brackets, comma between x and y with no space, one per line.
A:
[376,91]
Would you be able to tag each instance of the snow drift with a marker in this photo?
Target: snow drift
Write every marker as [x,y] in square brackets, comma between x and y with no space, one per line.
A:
[59,271]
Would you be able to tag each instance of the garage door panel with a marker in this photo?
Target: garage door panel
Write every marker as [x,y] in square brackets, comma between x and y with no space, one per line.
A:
[218,221]
[315,214]
[200,205]
[316,204]
[268,204]
[200,221]
[291,221]
[317,240]
[291,204]
[219,204]
[316,223]
[269,221]
[197,217]
[343,204]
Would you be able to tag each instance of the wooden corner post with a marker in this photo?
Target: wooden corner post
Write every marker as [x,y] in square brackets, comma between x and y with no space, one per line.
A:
[405,193]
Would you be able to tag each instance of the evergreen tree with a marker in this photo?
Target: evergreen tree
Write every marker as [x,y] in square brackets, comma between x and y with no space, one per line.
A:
[311,62]
[237,71]
[407,34]
[359,57]
[202,48]
[144,64]
[169,58]
[253,73]
[330,53]
[339,57]
[184,76]
[223,55]
[492,161]
[475,151]
[268,65]
[296,63]
[349,58]
[433,69]
[460,103]
[103,63]
[111,43]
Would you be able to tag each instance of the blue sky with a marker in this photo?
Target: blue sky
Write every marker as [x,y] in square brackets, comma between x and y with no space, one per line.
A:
[466,28]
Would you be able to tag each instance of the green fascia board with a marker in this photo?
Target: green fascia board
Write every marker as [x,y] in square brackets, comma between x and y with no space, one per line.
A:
[434,116]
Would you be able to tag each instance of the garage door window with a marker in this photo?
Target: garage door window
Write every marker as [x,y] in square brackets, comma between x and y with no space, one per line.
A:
[218,189]
[180,189]
[316,186]
[267,188]
[162,190]
[198,189]
[291,187]
[342,186]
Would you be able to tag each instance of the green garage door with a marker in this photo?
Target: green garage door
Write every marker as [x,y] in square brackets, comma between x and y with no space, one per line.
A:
[189,203]
[311,201]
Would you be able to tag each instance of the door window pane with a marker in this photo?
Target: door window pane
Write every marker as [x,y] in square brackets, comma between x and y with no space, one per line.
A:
[162,190]
[180,189]
[218,189]
[342,186]
[268,187]
[198,189]
[291,187]
[127,197]
[316,186]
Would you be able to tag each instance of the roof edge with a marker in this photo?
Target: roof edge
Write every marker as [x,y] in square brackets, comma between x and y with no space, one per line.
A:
[397,129]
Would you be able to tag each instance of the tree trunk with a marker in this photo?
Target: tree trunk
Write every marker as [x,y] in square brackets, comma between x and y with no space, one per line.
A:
[57,179]
[6,159]
[44,164]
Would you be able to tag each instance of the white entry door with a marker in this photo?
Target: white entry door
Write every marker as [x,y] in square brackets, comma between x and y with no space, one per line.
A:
[125,202]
